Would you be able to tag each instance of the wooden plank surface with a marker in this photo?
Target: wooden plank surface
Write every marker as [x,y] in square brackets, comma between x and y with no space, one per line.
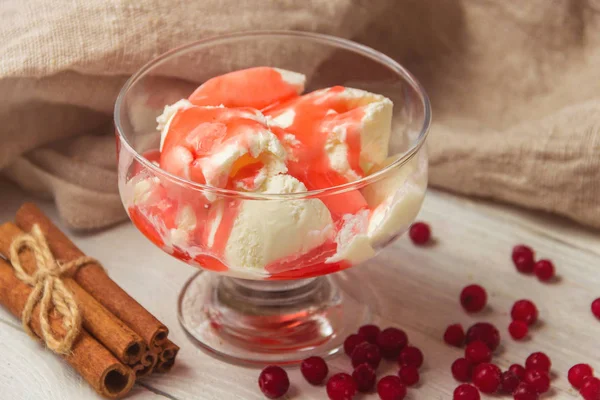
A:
[413,288]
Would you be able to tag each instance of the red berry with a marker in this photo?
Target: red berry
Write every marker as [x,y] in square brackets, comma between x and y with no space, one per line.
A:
[524,310]
[366,353]
[314,369]
[454,335]
[590,390]
[370,332]
[473,298]
[351,342]
[409,375]
[539,361]
[485,332]
[522,256]
[273,382]
[462,370]
[486,377]
[518,329]
[410,356]
[341,387]
[518,371]
[364,377]
[419,233]
[525,392]
[466,392]
[538,380]
[544,270]
[578,373]
[508,382]
[477,352]
[596,308]
[391,388]
[391,341]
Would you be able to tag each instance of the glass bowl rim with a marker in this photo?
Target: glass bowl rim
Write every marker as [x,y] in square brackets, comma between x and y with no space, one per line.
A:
[318,37]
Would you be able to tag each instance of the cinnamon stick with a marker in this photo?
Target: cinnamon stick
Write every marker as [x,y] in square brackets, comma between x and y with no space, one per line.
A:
[146,365]
[164,366]
[125,344]
[90,359]
[93,279]
[169,351]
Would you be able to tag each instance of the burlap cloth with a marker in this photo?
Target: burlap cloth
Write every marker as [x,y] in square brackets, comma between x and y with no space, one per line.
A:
[515,88]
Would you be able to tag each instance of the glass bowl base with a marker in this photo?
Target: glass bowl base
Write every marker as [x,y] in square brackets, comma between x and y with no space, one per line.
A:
[271,322]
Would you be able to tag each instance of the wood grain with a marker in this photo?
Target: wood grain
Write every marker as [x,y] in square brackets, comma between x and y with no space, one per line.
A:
[414,288]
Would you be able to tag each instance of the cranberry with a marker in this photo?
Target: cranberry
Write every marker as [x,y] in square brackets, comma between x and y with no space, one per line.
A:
[391,388]
[590,390]
[538,380]
[485,332]
[508,382]
[518,329]
[419,233]
[578,373]
[351,342]
[366,353]
[364,377]
[473,298]
[314,370]
[486,377]
[454,335]
[518,371]
[522,256]
[544,270]
[596,308]
[410,356]
[370,332]
[341,387]
[273,382]
[477,352]
[409,375]
[391,341]
[466,392]
[525,392]
[524,310]
[462,370]
[539,361]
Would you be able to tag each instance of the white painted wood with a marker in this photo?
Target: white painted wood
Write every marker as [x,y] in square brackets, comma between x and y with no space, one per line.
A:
[414,288]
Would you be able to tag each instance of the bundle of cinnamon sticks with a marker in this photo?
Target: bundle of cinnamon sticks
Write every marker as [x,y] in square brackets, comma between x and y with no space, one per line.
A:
[119,340]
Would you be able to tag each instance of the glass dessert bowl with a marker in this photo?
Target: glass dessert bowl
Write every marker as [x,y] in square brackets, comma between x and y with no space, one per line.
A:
[281,159]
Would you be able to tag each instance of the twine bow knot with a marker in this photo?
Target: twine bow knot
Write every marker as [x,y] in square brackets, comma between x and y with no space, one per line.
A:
[48,289]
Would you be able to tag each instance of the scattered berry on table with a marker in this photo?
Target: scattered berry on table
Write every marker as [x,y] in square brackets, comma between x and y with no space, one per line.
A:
[523,258]
[419,233]
[590,390]
[410,355]
[351,342]
[454,335]
[518,370]
[485,332]
[518,329]
[538,380]
[370,332]
[391,341]
[539,361]
[544,270]
[364,377]
[341,387]
[391,388]
[486,377]
[596,308]
[462,370]
[524,310]
[578,373]
[477,352]
[508,382]
[525,392]
[473,298]
[314,369]
[409,375]
[466,392]
[366,353]
[273,382]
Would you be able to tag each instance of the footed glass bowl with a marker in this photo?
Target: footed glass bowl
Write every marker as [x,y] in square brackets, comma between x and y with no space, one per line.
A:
[273,284]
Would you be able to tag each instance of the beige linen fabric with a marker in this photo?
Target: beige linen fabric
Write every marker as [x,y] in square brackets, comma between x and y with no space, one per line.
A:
[515,88]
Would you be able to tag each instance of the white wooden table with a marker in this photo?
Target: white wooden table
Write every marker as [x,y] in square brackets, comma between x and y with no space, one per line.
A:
[417,290]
